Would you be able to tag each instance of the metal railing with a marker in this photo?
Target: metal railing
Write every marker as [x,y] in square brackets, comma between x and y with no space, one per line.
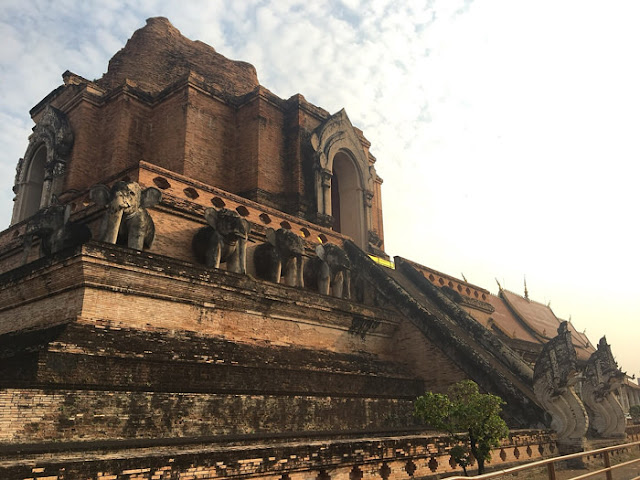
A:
[550,463]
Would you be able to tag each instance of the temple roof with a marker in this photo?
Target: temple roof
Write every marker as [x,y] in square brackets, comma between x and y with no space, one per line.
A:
[537,321]
[507,323]
[158,55]
[538,317]
[516,317]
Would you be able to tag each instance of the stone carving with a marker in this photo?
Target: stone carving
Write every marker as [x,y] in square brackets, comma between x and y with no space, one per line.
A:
[53,133]
[281,255]
[224,240]
[554,378]
[601,378]
[55,231]
[335,135]
[374,239]
[126,219]
[329,272]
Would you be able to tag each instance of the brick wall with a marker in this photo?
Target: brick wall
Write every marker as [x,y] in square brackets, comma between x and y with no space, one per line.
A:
[424,456]
[211,145]
[273,174]
[424,359]
[168,131]
[145,334]
[256,146]
[87,156]
[244,164]
[42,416]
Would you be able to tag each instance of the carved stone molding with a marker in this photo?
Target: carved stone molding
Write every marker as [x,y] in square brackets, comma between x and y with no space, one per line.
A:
[368,198]
[336,135]
[54,133]
[324,220]
[477,304]
[375,239]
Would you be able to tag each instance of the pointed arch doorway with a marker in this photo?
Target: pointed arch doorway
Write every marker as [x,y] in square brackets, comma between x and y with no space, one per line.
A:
[347,206]
[32,197]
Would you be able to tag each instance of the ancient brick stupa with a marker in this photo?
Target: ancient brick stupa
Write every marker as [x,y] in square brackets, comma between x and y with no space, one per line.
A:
[195,283]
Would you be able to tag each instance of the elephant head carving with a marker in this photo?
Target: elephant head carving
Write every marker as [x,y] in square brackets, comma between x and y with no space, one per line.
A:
[281,255]
[126,219]
[55,231]
[223,240]
[329,271]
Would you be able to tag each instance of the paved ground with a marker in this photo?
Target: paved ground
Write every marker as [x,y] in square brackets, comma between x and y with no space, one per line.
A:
[565,473]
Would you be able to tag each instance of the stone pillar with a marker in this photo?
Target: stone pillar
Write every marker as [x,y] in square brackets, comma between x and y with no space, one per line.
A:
[326,191]
[368,202]
[624,397]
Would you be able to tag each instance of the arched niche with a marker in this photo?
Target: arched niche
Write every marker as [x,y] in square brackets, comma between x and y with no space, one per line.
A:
[339,151]
[347,198]
[32,187]
[39,174]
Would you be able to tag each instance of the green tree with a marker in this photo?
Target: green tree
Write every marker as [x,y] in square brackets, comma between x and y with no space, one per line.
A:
[634,411]
[469,417]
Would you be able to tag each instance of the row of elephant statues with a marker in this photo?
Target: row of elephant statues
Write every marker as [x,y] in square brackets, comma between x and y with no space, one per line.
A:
[224,240]
[126,221]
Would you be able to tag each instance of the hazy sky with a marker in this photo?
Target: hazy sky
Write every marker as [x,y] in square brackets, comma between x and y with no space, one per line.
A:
[506,132]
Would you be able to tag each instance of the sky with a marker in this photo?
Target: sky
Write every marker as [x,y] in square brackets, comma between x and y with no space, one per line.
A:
[506,131]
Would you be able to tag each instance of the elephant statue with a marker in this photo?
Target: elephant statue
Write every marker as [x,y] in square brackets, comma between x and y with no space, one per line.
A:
[329,271]
[126,220]
[282,254]
[55,231]
[224,240]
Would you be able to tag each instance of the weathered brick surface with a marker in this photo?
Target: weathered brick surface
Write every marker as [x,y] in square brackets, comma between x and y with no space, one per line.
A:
[188,350]
[33,415]
[211,140]
[148,334]
[245,164]
[425,456]
[87,158]
[166,146]
[425,359]
[196,114]
[81,356]
[160,349]
[157,56]
[119,289]
[120,364]
[273,175]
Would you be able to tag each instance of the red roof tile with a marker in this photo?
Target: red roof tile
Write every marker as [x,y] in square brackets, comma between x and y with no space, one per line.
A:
[506,321]
[541,319]
[538,317]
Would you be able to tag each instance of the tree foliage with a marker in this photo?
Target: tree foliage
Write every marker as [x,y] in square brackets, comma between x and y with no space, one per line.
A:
[469,417]
[634,411]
